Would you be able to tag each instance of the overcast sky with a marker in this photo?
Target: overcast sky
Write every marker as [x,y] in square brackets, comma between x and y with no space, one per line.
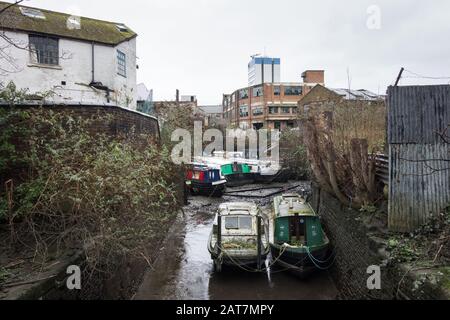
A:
[202,47]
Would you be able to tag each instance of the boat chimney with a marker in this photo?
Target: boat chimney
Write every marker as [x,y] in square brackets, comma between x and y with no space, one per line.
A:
[291,204]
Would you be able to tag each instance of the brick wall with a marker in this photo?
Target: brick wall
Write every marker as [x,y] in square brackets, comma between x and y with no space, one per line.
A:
[123,121]
[357,246]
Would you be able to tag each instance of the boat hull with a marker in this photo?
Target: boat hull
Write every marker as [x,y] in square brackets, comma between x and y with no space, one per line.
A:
[239,179]
[297,260]
[206,189]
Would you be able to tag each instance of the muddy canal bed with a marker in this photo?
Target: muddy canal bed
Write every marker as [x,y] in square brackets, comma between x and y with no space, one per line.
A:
[184,269]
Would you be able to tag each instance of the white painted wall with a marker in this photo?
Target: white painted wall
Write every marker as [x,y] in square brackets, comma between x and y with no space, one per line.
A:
[75,68]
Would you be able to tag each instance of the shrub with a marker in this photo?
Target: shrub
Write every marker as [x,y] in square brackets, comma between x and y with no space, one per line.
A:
[75,188]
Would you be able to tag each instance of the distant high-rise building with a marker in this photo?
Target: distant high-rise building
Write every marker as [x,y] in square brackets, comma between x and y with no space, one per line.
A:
[264,70]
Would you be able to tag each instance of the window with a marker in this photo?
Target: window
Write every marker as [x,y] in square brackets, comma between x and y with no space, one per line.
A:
[243,94]
[243,111]
[285,110]
[44,50]
[292,91]
[273,110]
[245,223]
[238,223]
[32,13]
[276,90]
[121,27]
[257,91]
[231,223]
[257,111]
[121,63]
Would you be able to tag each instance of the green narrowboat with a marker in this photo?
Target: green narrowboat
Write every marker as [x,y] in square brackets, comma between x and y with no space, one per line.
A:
[237,174]
[298,242]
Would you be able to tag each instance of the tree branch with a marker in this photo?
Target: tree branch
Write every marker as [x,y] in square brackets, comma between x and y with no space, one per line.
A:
[10,6]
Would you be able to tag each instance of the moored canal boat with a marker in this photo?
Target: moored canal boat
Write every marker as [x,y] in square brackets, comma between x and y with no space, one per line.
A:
[298,242]
[239,236]
[203,180]
[237,174]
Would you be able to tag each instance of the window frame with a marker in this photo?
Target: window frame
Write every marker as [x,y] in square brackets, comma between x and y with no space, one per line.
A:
[260,113]
[238,225]
[36,57]
[256,90]
[121,57]
[274,108]
[284,109]
[243,114]
[243,94]
[277,91]
[291,90]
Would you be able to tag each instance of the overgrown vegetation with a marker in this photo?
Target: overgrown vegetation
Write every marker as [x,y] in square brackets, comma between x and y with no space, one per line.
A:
[294,155]
[342,138]
[65,186]
[429,244]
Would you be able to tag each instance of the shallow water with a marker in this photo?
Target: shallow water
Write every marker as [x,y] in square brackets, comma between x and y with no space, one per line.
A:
[185,270]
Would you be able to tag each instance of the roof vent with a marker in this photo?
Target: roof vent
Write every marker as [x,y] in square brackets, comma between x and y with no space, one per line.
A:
[122,28]
[74,22]
[32,13]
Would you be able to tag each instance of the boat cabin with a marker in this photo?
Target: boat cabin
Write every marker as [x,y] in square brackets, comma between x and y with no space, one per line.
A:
[202,173]
[235,168]
[296,223]
[238,219]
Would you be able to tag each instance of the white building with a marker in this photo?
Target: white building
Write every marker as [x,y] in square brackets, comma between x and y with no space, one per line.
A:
[264,70]
[76,60]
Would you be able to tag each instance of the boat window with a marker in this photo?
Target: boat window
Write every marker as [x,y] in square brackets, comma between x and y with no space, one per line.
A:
[238,223]
[232,223]
[245,223]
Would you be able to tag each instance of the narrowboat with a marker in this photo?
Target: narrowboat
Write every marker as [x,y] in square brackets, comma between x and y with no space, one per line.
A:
[203,180]
[298,242]
[239,237]
[237,174]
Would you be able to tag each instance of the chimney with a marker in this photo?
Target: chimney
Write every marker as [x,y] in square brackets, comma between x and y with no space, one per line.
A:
[177,96]
[314,76]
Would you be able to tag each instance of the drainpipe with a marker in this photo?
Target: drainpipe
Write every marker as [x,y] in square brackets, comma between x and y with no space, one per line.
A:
[93,63]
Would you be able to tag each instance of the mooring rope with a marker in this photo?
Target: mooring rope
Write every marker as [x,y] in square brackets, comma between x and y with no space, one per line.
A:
[254,270]
[313,259]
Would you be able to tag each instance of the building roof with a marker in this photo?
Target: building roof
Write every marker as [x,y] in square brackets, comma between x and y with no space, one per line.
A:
[361,94]
[143,94]
[33,20]
[211,109]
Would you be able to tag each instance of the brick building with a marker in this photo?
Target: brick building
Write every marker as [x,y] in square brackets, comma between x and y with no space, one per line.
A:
[321,96]
[268,105]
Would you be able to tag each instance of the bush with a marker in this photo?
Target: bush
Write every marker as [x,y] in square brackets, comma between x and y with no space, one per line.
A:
[76,188]
[294,155]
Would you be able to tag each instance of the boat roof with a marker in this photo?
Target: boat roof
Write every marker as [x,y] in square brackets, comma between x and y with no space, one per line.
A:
[238,208]
[290,204]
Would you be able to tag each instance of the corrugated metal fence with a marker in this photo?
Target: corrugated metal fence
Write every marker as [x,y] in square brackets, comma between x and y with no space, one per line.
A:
[419,167]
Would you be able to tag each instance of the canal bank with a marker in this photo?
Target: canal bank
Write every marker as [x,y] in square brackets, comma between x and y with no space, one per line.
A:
[184,269]
[361,240]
